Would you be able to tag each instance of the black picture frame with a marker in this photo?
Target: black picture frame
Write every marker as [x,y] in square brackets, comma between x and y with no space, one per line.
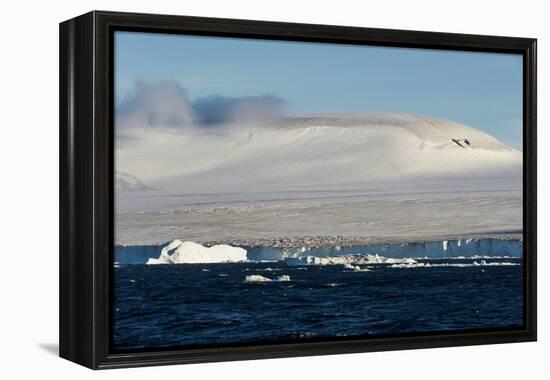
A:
[87,190]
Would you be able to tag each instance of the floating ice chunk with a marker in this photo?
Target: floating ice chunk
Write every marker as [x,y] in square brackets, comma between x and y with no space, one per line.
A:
[189,252]
[456,265]
[256,278]
[502,264]
[376,259]
[418,265]
[406,260]
[351,260]
[260,278]
[355,268]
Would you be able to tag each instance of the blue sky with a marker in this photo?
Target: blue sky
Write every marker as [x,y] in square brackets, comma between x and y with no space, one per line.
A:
[483,90]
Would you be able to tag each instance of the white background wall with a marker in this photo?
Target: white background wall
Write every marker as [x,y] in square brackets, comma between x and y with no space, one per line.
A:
[29,187]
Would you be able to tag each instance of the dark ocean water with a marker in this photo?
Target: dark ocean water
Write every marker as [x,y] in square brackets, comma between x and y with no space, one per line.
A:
[211,304]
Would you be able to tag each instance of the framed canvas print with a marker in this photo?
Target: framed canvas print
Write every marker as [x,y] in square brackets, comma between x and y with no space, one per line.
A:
[238,189]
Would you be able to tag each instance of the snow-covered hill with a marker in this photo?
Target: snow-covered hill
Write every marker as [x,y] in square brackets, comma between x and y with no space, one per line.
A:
[382,176]
[128,182]
[315,151]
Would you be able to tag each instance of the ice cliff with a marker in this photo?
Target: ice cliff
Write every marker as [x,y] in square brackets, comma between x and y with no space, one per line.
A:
[177,251]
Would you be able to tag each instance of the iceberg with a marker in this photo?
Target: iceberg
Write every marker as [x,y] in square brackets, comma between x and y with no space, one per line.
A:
[178,252]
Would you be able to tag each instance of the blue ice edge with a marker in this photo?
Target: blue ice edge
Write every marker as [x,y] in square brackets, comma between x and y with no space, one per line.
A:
[467,248]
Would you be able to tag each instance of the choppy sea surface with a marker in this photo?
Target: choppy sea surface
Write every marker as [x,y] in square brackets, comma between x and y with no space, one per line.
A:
[195,305]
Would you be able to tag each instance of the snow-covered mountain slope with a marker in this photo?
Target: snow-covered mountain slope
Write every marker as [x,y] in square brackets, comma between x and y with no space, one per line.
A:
[313,152]
[128,182]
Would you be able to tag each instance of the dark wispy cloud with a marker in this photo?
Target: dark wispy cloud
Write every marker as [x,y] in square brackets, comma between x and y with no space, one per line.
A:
[217,109]
[166,104]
